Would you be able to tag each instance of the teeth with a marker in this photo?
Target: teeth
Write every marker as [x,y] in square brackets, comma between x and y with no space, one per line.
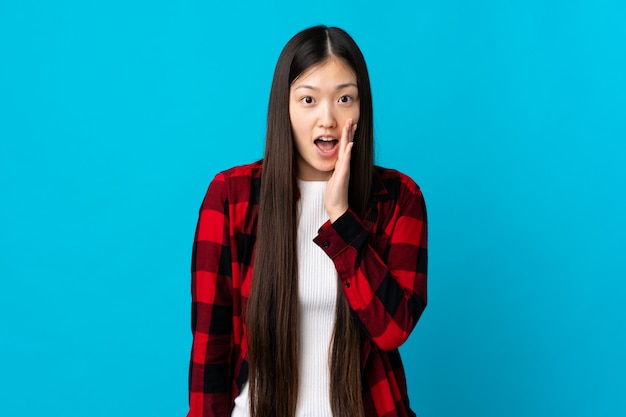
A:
[326,139]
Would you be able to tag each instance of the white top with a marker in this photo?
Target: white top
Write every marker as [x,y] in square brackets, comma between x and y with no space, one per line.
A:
[317,293]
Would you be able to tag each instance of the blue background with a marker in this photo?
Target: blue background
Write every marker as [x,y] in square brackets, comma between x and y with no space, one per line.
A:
[115,115]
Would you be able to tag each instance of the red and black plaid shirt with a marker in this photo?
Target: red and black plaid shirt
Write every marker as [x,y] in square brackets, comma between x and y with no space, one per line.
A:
[381,262]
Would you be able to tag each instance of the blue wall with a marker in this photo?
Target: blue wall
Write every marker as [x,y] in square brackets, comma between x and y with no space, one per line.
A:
[115,115]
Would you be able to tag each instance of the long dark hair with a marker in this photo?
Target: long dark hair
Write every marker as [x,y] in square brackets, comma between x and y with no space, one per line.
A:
[272,311]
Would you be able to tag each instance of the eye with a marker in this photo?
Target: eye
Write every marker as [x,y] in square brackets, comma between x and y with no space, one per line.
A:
[345,99]
[307,100]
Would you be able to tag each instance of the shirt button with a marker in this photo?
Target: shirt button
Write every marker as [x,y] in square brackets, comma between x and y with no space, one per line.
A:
[347,284]
[326,243]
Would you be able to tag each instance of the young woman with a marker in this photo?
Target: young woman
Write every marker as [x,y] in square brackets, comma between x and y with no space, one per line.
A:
[309,267]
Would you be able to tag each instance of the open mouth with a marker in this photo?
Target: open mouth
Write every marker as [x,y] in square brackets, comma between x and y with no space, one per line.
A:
[326,144]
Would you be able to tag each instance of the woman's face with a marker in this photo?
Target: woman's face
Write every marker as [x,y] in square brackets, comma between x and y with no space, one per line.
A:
[321,99]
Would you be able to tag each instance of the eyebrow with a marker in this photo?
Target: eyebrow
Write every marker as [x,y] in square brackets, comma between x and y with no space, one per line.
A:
[339,87]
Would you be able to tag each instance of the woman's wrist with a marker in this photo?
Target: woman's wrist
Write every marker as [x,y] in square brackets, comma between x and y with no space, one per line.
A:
[337,213]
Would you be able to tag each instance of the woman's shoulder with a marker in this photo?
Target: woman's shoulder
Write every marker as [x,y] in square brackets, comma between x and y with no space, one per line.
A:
[251,170]
[238,184]
[393,180]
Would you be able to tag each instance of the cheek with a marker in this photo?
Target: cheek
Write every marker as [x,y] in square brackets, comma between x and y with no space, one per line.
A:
[299,130]
[296,126]
[300,121]
[355,113]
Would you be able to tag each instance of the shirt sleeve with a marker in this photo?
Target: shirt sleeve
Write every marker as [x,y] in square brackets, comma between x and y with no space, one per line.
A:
[386,288]
[212,308]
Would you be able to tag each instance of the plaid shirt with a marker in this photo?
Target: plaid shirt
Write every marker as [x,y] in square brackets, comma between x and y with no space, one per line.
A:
[381,262]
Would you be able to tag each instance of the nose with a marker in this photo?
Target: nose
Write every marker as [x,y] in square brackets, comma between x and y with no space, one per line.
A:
[327,117]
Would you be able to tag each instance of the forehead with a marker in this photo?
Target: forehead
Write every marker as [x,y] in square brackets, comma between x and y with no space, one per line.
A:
[331,72]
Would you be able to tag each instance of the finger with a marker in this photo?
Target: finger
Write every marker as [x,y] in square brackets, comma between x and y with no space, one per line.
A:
[346,135]
[350,131]
[343,157]
[348,154]
[343,141]
[342,168]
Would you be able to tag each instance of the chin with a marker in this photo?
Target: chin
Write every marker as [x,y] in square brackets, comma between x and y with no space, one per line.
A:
[326,170]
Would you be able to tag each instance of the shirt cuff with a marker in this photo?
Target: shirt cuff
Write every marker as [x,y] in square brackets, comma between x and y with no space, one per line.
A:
[335,237]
